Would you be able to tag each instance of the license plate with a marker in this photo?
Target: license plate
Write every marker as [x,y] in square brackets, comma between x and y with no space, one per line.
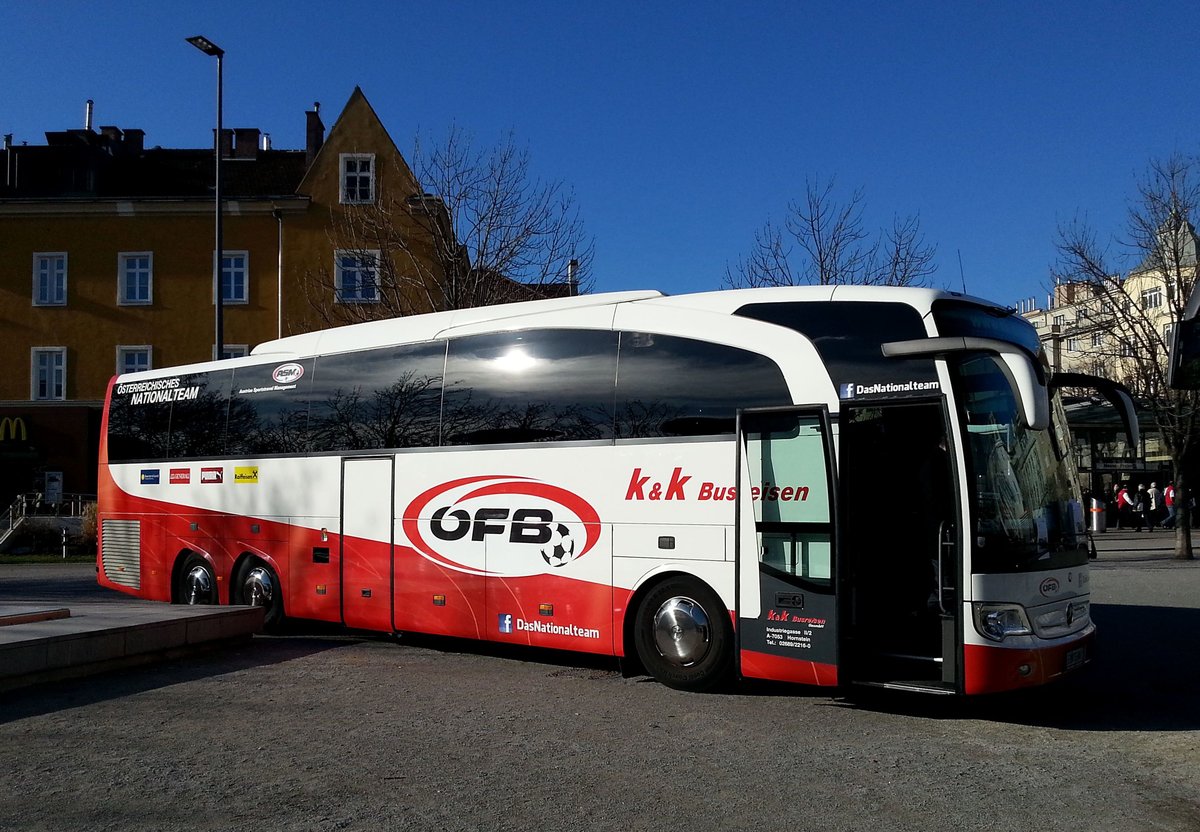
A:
[1075,658]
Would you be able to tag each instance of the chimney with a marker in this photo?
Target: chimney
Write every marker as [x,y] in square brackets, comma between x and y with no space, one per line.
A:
[87,114]
[135,140]
[226,142]
[245,143]
[113,134]
[572,277]
[266,141]
[314,133]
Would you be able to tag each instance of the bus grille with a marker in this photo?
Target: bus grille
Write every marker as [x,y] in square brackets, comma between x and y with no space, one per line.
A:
[121,552]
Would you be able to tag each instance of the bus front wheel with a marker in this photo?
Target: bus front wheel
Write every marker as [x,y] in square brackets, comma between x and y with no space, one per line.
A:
[683,635]
[257,585]
[196,583]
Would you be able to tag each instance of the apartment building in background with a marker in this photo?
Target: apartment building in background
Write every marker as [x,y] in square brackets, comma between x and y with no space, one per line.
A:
[107,264]
[1077,330]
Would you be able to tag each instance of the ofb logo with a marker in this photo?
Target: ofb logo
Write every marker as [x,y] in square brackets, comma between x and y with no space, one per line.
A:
[506,622]
[501,525]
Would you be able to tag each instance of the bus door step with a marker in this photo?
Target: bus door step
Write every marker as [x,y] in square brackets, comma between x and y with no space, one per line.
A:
[916,687]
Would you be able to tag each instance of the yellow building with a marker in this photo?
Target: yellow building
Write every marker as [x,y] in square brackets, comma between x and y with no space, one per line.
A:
[107,261]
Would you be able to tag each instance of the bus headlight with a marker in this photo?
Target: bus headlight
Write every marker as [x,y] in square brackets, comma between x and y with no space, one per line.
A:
[998,621]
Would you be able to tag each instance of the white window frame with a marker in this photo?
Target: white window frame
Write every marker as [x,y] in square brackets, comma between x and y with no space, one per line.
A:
[1152,298]
[344,177]
[1097,339]
[39,256]
[1060,321]
[126,349]
[232,351]
[339,271]
[245,299]
[58,391]
[1072,345]
[122,297]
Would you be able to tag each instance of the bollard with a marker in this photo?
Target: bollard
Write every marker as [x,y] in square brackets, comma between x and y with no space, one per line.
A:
[64,543]
[1099,516]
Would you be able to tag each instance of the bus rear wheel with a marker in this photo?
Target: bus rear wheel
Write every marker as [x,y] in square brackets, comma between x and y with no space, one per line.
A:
[683,635]
[196,583]
[257,585]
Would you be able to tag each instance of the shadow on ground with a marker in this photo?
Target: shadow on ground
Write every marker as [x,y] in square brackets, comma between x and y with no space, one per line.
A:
[1144,677]
[216,661]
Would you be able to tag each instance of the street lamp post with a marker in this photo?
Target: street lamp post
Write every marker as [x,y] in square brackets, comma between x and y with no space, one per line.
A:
[211,49]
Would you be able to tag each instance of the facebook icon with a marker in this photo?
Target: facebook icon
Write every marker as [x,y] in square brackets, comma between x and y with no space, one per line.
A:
[505,622]
[847,391]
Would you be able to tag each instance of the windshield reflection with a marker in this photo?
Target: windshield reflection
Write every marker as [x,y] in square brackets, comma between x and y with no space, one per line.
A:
[1026,513]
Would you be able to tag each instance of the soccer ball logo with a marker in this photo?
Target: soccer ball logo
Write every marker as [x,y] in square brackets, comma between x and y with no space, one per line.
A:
[559,550]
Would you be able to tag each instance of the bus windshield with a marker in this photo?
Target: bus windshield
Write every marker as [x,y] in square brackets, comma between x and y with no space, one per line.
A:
[1026,513]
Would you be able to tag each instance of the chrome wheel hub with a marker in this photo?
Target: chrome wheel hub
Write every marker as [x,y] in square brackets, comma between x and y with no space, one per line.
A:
[258,589]
[197,586]
[681,631]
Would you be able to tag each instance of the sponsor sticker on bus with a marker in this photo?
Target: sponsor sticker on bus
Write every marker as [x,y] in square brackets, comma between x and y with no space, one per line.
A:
[150,476]
[246,474]
[288,373]
[209,475]
[180,476]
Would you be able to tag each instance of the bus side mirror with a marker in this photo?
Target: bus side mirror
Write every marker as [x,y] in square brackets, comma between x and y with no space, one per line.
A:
[1117,394]
[1024,376]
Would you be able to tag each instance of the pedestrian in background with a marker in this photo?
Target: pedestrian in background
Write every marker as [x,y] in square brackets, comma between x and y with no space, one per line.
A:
[1124,507]
[1169,502]
[1153,506]
[1141,505]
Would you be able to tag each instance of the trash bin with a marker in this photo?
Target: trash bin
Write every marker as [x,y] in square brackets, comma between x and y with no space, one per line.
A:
[1099,516]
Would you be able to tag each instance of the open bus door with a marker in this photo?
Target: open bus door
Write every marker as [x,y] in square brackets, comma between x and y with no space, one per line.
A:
[786,552]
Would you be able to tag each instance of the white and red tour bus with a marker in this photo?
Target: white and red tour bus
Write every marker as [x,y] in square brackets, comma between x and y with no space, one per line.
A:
[823,485]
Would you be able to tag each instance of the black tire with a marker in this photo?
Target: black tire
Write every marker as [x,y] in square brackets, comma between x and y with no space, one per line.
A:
[257,585]
[683,635]
[195,584]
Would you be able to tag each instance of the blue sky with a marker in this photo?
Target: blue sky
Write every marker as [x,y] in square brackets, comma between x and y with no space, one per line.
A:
[681,127]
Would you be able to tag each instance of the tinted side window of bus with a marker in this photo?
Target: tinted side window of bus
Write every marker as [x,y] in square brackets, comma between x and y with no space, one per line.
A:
[138,424]
[848,334]
[669,386]
[384,398]
[532,386]
[268,409]
[198,419]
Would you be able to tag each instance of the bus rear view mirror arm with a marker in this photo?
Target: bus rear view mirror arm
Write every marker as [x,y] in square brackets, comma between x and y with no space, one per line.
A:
[1117,394]
[1024,375]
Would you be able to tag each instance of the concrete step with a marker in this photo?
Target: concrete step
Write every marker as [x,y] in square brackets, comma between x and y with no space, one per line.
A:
[42,644]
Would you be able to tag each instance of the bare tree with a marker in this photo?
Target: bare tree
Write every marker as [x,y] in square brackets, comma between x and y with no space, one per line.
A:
[468,227]
[834,247]
[1130,309]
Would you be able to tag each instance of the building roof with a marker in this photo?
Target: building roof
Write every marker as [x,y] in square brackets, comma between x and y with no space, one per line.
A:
[113,164]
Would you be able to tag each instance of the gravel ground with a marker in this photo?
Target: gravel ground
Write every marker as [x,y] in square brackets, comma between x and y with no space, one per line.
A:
[321,730]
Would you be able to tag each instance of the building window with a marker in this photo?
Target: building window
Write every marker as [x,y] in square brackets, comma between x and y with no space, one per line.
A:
[49,373]
[235,277]
[135,271]
[1073,345]
[232,351]
[50,278]
[1126,349]
[133,359]
[1060,320]
[1097,339]
[357,278]
[358,178]
[1152,298]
